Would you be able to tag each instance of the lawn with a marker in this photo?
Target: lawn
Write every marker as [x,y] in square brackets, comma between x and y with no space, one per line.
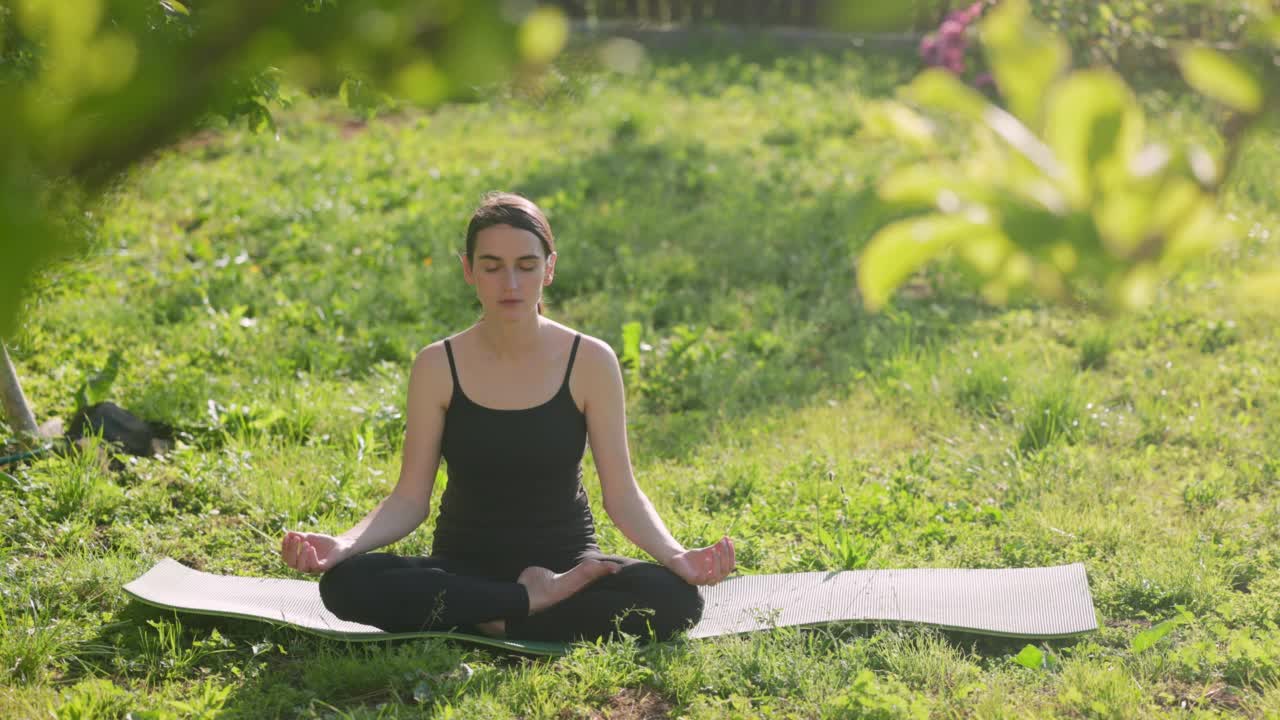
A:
[267,292]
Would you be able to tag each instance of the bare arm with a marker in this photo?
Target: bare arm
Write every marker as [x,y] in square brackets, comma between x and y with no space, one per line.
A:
[624,501]
[410,501]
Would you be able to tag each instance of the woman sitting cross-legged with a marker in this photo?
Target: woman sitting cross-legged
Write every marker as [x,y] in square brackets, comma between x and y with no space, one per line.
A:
[510,404]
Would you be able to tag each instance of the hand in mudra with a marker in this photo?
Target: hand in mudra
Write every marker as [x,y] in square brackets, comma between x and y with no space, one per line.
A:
[705,566]
[312,552]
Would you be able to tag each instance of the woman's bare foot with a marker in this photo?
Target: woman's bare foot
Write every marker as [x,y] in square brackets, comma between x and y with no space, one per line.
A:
[546,588]
[493,628]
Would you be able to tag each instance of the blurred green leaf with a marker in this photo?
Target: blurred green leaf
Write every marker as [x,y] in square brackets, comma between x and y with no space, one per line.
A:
[986,252]
[258,117]
[1203,166]
[268,420]
[422,82]
[901,248]
[897,121]
[1200,231]
[1221,78]
[33,236]
[1152,635]
[1134,287]
[363,97]
[1123,218]
[1094,126]
[927,185]
[97,387]
[543,34]
[938,89]
[1024,58]
[1174,202]
[1023,141]
[631,345]
[1031,657]
[1027,222]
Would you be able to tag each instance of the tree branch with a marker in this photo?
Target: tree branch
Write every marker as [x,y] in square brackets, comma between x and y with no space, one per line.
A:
[16,410]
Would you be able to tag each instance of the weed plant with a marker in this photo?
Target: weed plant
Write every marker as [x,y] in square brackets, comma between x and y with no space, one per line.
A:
[1094,349]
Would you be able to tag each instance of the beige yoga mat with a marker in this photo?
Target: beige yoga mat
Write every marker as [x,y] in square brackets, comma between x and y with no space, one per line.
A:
[1047,602]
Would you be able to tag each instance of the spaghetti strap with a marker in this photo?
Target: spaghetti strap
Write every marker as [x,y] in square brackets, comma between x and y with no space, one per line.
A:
[572,354]
[453,369]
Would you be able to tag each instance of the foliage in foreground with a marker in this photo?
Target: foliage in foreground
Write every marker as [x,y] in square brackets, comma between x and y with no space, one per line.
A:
[1059,189]
[91,88]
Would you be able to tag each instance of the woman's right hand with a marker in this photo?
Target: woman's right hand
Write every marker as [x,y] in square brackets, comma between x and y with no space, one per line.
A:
[312,552]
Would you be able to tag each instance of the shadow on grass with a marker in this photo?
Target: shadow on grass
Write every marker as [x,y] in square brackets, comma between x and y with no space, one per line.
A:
[741,277]
[277,671]
[738,266]
[274,671]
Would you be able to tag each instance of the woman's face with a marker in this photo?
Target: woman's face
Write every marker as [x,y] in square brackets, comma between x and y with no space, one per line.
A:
[509,271]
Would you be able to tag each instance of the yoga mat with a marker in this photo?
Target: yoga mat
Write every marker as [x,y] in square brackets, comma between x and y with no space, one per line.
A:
[1049,602]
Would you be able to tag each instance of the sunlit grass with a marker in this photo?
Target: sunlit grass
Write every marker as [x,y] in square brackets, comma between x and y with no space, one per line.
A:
[267,297]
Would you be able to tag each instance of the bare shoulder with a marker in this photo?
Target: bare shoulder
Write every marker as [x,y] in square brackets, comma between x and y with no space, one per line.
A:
[598,351]
[596,355]
[431,374]
[592,351]
[432,357]
[597,377]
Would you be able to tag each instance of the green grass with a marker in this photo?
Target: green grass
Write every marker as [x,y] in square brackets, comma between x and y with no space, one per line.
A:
[267,295]
[1094,348]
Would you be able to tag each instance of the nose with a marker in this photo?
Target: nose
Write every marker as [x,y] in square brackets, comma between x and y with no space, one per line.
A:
[511,278]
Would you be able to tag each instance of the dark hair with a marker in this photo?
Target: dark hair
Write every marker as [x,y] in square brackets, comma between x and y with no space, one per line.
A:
[518,211]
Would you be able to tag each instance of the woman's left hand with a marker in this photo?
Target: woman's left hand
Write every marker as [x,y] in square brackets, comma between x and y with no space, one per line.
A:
[705,566]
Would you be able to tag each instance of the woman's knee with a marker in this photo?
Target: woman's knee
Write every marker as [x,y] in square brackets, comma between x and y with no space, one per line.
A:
[684,605]
[675,604]
[343,585]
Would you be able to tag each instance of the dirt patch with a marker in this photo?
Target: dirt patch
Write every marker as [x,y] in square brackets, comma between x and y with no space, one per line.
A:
[351,127]
[198,140]
[1188,696]
[634,704]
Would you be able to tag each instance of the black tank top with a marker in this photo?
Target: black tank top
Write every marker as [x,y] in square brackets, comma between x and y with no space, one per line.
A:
[515,479]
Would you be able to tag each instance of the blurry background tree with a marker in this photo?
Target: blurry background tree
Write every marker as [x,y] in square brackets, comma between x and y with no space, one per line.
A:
[1059,192]
[90,88]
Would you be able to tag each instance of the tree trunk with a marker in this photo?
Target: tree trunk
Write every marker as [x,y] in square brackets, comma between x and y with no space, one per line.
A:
[16,410]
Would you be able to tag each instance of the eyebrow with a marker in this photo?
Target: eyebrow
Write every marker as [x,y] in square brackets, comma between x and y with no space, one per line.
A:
[519,259]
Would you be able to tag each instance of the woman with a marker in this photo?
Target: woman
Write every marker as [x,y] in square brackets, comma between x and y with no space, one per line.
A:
[510,404]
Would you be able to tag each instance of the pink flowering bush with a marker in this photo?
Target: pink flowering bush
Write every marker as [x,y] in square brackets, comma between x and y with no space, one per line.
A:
[948,46]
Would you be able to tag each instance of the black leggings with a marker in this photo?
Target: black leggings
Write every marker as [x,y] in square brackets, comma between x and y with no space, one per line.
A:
[407,594]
